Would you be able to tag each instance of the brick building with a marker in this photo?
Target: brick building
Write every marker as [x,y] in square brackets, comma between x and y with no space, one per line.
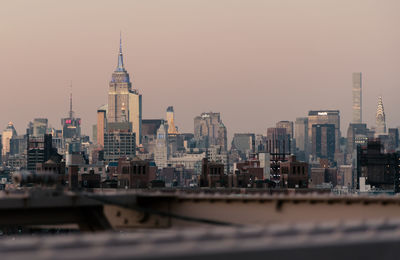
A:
[212,174]
[294,174]
[135,173]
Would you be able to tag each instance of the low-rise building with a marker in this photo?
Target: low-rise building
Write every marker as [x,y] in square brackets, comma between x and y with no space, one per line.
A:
[294,174]
[135,173]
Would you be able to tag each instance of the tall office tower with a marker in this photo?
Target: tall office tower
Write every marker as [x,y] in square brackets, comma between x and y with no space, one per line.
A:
[380,118]
[101,125]
[321,117]
[18,144]
[244,144]
[39,150]
[355,133]
[209,130]
[39,126]
[357,98]
[171,121]
[119,141]
[8,133]
[393,134]
[301,133]
[323,142]
[161,153]
[71,126]
[288,125]
[124,102]
[278,141]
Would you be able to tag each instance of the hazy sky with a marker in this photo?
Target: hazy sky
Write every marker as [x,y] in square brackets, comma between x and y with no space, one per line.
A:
[256,62]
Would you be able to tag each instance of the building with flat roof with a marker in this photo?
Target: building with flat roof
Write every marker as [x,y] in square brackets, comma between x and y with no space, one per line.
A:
[119,141]
[321,117]
[209,130]
[357,98]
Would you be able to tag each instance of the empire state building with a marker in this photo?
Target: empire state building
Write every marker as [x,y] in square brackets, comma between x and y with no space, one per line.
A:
[124,102]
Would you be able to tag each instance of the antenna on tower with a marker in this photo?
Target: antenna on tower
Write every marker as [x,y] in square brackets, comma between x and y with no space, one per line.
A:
[71,113]
[120,42]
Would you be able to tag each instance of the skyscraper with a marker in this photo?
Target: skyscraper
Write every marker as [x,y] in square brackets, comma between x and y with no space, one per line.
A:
[101,125]
[119,141]
[39,150]
[288,125]
[316,117]
[71,126]
[323,142]
[8,133]
[244,144]
[380,118]
[171,121]
[357,98]
[301,133]
[209,130]
[124,102]
[161,154]
[278,141]
[39,126]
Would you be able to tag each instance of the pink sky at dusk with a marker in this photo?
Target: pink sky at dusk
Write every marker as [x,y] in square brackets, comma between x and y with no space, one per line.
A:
[256,62]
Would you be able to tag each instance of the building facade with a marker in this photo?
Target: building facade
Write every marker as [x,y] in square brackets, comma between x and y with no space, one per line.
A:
[301,136]
[101,125]
[39,150]
[172,129]
[161,153]
[119,142]
[321,117]
[6,137]
[209,130]
[380,118]
[124,102]
[39,126]
[323,141]
[357,98]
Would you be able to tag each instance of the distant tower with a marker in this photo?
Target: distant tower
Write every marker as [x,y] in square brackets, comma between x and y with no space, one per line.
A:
[71,126]
[7,135]
[380,118]
[101,124]
[171,121]
[210,131]
[161,154]
[357,98]
[124,102]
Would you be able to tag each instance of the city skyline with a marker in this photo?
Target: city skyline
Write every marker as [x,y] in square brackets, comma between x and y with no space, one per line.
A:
[165,120]
[219,70]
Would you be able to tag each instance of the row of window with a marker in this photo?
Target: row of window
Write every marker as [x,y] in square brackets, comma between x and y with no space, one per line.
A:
[136,169]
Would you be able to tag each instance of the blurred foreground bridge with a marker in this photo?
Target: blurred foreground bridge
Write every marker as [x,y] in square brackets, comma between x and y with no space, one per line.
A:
[198,224]
[133,209]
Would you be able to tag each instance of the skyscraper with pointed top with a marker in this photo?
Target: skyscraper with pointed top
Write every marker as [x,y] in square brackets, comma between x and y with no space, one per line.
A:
[71,126]
[380,118]
[124,102]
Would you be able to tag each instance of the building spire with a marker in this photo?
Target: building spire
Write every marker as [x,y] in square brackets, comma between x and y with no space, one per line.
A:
[71,113]
[120,56]
[380,117]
